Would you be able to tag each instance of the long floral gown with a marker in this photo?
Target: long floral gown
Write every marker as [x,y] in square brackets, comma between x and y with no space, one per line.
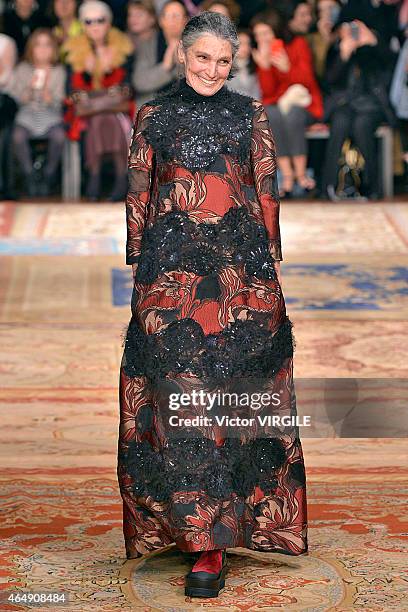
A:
[207,313]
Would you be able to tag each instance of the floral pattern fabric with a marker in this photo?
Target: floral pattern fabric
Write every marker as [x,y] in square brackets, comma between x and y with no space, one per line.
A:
[202,216]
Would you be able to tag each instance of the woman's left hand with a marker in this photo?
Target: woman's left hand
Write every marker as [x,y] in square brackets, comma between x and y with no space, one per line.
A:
[281,61]
[278,272]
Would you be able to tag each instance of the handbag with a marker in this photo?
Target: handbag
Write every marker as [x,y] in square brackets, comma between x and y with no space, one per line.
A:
[114,99]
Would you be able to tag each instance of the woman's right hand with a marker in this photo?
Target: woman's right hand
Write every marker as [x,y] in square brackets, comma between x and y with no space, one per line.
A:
[169,57]
[134,270]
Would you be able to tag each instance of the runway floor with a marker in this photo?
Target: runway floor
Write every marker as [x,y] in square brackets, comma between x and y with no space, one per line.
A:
[64,302]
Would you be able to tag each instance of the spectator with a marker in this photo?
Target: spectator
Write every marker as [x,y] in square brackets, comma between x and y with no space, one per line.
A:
[141,22]
[8,58]
[290,94]
[67,22]
[38,86]
[358,103]
[298,15]
[156,64]
[321,39]
[21,19]
[100,58]
[245,79]
[399,88]
[229,8]
[8,108]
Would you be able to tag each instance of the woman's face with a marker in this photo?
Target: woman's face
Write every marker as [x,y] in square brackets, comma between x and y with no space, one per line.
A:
[64,9]
[220,8]
[96,25]
[244,51]
[302,19]
[139,20]
[25,5]
[263,34]
[172,20]
[207,63]
[43,50]
[325,8]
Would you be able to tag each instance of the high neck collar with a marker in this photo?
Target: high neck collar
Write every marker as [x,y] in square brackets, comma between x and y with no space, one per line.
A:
[189,93]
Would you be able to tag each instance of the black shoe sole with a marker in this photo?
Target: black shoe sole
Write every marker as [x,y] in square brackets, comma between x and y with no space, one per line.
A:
[209,586]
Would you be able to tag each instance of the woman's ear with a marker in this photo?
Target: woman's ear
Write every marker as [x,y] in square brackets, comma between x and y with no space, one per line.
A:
[180,52]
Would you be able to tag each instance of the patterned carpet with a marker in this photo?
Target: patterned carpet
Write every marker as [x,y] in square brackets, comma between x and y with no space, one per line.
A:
[64,301]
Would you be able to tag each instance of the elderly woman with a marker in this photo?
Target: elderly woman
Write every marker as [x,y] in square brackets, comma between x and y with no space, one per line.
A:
[99,61]
[209,328]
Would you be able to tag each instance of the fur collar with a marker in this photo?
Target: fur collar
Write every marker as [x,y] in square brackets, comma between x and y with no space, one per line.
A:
[79,47]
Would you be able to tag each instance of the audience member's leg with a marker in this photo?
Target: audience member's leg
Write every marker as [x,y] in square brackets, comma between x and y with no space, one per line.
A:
[56,139]
[278,127]
[297,119]
[340,128]
[364,127]
[22,151]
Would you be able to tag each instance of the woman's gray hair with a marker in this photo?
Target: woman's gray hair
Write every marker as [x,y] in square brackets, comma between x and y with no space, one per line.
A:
[94,6]
[213,23]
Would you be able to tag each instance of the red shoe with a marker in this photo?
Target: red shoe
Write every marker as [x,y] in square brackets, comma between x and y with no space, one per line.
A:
[207,577]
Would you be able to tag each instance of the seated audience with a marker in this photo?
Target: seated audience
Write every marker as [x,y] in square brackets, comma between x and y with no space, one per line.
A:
[8,108]
[38,86]
[21,19]
[290,93]
[229,8]
[100,59]
[245,79]
[358,102]
[156,63]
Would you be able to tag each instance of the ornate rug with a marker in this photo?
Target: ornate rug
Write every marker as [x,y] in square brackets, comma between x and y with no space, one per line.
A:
[64,301]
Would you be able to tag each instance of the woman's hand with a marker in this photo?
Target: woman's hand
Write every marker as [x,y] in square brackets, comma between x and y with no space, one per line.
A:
[169,58]
[278,272]
[281,61]
[262,55]
[366,36]
[134,270]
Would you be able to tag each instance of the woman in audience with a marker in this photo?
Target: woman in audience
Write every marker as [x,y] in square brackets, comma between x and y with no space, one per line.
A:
[229,8]
[21,19]
[245,79]
[323,36]
[8,107]
[67,22]
[99,59]
[38,86]
[358,102]
[290,94]
[156,64]
[141,22]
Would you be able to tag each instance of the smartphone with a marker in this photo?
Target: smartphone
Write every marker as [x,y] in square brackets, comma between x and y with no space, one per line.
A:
[355,32]
[39,78]
[276,46]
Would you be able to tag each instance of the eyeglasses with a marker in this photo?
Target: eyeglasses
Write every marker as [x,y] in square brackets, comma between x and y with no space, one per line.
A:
[98,20]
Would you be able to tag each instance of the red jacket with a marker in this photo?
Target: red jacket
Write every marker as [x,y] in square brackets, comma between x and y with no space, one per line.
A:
[274,83]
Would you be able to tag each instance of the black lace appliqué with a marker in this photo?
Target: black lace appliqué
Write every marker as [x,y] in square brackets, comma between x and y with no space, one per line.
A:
[194,129]
[243,349]
[175,242]
[197,464]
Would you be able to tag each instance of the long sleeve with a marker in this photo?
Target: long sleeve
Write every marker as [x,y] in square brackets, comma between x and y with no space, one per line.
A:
[141,160]
[264,166]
